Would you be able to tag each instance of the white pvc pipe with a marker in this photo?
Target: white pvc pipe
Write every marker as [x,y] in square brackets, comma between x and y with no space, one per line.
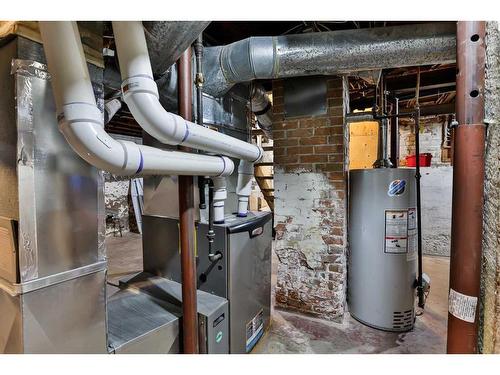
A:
[220,195]
[81,122]
[244,186]
[141,95]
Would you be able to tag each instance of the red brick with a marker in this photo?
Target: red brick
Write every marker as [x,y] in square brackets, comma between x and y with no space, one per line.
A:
[336,139]
[336,111]
[337,231]
[277,151]
[330,167]
[278,134]
[300,150]
[335,158]
[298,133]
[286,142]
[337,120]
[280,108]
[331,240]
[334,82]
[287,125]
[336,176]
[282,159]
[277,100]
[320,140]
[313,158]
[328,149]
[314,122]
[338,185]
[335,92]
[336,102]
[329,130]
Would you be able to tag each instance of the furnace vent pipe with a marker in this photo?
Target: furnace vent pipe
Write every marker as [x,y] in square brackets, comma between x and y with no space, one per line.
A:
[220,195]
[262,108]
[327,53]
[81,122]
[141,95]
[244,186]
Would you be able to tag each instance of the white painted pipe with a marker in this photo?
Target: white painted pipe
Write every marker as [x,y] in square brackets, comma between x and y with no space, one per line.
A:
[220,195]
[81,122]
[141,95]
[244,186]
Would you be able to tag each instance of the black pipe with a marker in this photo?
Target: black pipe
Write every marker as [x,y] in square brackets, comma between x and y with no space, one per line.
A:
[211,233]
[420,286]
[198,52]
[201,188]
[395,135]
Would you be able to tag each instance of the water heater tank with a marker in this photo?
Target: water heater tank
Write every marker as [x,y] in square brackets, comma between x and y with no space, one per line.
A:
[383,247]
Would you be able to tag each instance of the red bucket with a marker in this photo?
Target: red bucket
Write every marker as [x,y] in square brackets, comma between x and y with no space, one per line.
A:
[425,160]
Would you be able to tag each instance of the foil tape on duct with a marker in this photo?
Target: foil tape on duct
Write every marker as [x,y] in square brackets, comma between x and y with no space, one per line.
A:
[59,194]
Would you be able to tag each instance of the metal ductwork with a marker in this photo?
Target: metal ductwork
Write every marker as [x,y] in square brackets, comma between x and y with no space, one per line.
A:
[327,53]
[262,108]
[167,40]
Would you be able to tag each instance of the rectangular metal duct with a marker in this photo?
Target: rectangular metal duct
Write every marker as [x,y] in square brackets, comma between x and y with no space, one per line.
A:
[52,210]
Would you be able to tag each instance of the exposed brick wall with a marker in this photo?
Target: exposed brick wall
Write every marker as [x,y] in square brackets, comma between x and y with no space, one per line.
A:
[310,206]
[431,140]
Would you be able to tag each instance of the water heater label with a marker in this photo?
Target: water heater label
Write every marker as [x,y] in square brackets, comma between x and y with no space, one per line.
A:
[396,231]
[396,187]
[462,306]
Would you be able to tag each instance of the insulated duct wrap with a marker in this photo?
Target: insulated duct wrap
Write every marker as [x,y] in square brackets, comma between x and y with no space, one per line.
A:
[327,53]
[167,40]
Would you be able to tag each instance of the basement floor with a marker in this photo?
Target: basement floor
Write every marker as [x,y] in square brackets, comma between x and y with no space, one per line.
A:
[292,332]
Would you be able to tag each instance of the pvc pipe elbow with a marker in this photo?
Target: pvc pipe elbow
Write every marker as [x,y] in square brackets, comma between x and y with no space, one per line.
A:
[82,127]
[141,96]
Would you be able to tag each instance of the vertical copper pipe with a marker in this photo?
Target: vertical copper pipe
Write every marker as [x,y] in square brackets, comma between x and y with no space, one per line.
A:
[468,181]
[186,218]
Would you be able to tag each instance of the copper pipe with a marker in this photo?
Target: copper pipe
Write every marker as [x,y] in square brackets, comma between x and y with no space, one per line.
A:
[186,218]
[468,181]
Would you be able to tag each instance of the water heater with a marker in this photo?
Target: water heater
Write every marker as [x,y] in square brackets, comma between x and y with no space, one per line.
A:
[383,247]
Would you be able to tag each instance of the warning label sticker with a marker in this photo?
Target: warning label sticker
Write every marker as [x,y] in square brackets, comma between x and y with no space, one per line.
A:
[412,245]
[412,218]
[396,231]
[462,306]
[255,329]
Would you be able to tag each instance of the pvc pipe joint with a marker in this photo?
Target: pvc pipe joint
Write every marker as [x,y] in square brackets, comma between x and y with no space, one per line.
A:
[244,186]
[220,195]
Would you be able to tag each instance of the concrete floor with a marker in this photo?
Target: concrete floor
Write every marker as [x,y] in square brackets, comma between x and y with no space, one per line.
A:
[296,333]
